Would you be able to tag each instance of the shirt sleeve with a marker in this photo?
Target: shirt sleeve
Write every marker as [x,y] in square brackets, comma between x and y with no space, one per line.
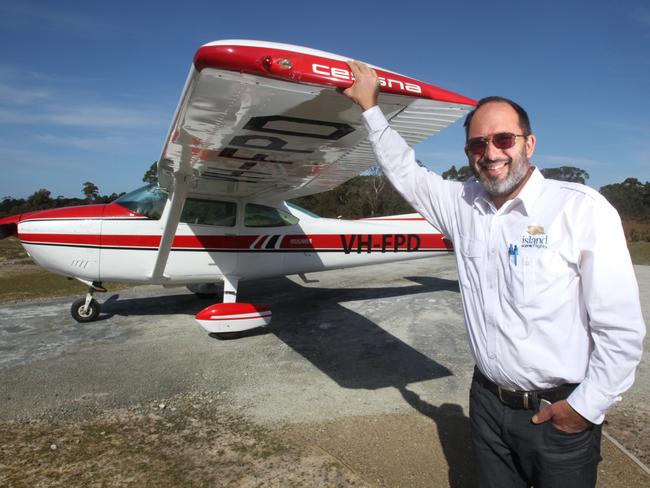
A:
[611,297]
[430,195]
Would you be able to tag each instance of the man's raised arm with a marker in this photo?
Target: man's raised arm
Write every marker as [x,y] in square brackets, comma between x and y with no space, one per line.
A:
[425,191]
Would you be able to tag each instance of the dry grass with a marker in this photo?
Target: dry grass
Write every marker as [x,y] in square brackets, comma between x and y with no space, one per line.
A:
[636,231]
[21,279]
[638,238]
[640,252]
[189,442]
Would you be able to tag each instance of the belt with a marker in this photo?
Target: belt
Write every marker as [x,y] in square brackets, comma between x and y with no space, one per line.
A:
[524,399]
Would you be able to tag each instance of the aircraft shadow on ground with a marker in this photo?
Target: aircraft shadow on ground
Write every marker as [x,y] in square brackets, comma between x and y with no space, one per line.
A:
[357,353]
[454,433]
[352,350]
[349,348]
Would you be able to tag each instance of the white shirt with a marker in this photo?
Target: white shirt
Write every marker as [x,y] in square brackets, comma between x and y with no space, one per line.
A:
[561,308]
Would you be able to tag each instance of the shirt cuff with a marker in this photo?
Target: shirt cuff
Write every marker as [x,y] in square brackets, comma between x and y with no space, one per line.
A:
[589,402]
[374,119]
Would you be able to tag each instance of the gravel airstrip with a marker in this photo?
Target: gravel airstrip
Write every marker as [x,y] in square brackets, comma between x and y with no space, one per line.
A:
[361,380]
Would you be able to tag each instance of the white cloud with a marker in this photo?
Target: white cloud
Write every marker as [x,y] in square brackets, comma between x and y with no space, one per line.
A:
[15,95]
[34,98]
[35,160]
[103,116]
[53,17]
[642,14]
[87,116]
[91,143]
[12,75]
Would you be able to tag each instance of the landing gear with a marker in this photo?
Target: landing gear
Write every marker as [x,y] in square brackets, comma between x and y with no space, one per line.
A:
[83,312]
[205,290]
[87,309]
[229,319]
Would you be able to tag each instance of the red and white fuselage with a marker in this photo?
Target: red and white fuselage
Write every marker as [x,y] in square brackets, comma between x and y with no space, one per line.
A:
[111,243]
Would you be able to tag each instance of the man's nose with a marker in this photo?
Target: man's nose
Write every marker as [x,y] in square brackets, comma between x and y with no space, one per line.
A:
[492,152]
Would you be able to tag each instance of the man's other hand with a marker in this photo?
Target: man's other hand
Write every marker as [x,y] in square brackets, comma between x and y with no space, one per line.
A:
[365,89]
[563,417]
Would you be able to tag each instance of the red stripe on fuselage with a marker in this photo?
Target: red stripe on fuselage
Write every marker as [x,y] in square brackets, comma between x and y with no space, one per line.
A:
[312,242]
[378,219]
[149,241]
[64,239]
[104,211]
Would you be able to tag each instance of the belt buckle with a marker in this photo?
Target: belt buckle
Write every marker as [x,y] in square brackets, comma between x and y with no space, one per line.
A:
[525,396]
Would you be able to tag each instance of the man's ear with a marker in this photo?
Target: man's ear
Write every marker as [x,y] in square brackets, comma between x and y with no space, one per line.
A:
[531,142]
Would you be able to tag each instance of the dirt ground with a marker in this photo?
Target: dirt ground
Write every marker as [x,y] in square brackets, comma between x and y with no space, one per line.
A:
[629,426]
[188,440]
[198,439]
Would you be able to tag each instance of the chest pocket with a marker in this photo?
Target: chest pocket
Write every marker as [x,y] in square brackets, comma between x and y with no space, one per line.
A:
[539,276]
[472,248]
[473,263]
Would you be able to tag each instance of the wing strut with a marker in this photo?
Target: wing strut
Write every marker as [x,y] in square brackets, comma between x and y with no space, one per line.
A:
[172,217]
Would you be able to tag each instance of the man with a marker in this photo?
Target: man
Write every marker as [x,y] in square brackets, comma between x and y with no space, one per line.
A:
[549,294]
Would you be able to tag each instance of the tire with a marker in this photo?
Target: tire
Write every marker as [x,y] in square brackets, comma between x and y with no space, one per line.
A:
[81,315]
[211,296]
[206,290]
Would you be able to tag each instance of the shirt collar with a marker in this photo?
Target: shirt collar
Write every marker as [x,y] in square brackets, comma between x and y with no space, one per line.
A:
[482,200]
[527,196]
[531,191]
[474,194]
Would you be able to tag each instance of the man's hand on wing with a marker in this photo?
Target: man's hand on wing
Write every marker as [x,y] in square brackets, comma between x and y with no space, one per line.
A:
[365,89]
[563,417]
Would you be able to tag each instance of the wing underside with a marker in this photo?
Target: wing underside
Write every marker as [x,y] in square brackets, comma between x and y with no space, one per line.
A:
[241,135]
[266,122]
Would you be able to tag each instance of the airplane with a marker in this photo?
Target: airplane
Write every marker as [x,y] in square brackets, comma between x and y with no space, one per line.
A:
[258,123]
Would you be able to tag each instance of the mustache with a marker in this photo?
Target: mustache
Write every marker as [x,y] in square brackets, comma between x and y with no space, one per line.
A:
[485,160]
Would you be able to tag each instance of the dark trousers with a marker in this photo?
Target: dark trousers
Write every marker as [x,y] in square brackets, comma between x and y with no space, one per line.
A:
[511,451]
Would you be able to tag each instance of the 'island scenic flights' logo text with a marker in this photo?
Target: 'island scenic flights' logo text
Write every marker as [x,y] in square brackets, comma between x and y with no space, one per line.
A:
[535,236]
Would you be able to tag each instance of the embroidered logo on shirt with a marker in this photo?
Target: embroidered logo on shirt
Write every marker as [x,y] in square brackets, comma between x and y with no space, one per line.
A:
[535,236]
[533,230]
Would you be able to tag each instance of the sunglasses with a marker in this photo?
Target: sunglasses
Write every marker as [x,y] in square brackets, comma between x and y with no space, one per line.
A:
[502,140]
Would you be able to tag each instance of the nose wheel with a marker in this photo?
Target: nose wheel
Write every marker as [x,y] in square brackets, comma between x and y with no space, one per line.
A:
[83,312]
[87,309]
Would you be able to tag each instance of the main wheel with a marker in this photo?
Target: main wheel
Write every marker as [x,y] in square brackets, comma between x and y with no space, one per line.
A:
[206,290]
[82,314]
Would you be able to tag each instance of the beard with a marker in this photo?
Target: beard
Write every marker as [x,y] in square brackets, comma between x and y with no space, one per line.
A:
[517,171]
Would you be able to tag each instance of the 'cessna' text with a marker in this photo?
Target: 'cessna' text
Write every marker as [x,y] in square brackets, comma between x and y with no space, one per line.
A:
[344,74]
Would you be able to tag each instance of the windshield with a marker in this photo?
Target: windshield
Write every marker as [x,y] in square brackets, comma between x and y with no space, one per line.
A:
[303,210]
[148,201]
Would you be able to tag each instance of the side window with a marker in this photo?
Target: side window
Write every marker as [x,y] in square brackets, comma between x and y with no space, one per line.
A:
[209,212]
[263,216]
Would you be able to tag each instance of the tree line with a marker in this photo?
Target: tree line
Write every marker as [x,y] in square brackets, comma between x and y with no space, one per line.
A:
[42,199]
[372,195]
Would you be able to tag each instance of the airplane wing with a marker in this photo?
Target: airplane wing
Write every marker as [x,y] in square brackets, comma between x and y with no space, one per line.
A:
[265,120]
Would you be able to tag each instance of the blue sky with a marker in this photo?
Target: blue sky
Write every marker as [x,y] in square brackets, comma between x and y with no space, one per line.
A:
[88,89]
